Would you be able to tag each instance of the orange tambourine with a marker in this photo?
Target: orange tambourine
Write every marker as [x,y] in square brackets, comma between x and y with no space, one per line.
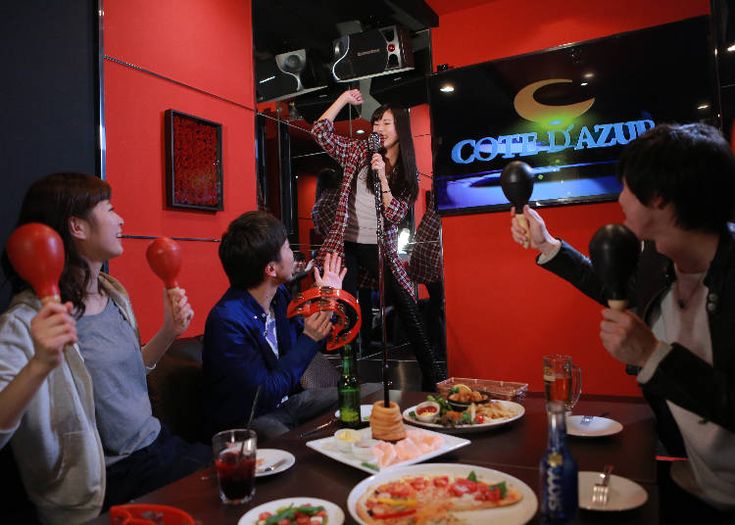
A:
[334,300]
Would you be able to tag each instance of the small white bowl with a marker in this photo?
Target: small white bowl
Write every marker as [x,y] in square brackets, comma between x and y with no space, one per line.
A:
[363,450]
[427,416]
[345,437]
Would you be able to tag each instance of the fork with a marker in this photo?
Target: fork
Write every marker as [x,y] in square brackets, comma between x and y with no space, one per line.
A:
[274,466]
[586,420]
[601,490]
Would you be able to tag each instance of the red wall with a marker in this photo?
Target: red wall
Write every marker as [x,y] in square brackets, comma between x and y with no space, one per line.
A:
[421,131]
[503,312]
[205,46]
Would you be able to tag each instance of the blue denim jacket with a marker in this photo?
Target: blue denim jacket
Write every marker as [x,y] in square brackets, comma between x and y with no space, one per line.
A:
[237,358]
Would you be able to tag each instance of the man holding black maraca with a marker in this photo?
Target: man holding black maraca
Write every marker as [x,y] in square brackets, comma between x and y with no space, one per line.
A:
[678,187]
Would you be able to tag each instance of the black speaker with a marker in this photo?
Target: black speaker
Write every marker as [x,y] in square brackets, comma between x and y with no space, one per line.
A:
[288,75]
[372,53]
[409,88]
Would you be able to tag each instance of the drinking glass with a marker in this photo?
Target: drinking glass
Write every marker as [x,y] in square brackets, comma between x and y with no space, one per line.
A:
[234,459]
[562,380]
[576,390]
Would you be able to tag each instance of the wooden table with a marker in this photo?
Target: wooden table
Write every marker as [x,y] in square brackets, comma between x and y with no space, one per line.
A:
[515,449]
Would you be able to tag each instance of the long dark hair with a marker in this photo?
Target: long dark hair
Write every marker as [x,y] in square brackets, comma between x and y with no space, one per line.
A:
[404,180]
[328,179]
[53,200]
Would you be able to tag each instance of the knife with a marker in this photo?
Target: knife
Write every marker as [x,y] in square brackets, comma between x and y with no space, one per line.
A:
[320,427]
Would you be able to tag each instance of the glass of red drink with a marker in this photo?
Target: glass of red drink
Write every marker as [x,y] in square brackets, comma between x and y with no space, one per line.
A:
[234,459]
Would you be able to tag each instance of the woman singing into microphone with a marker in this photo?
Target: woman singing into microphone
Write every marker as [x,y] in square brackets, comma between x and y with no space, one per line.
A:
[354,229]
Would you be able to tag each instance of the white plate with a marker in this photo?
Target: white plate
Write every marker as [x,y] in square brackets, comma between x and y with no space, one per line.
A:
[623,494]
[521,512]
[271,456]
[598,427]
[328,447]
[468,429]
[335,515]
[365,411]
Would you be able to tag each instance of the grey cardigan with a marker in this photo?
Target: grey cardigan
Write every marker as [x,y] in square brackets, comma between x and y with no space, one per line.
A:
[56,444]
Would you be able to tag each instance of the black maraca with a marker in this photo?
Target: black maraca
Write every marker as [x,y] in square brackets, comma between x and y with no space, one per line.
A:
[614,251]
[517,183]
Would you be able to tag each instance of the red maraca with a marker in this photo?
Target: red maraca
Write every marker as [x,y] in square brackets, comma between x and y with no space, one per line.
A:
[164,258]
[36,251]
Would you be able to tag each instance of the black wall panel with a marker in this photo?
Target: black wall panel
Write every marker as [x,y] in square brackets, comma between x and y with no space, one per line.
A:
[48,98]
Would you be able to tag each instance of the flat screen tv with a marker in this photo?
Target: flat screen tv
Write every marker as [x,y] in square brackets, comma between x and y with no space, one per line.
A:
[566,111]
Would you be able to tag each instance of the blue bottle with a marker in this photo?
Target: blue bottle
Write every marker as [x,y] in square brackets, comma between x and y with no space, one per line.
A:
[558,471]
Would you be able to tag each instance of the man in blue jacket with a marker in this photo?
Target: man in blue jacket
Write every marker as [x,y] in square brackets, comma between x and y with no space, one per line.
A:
[249,343]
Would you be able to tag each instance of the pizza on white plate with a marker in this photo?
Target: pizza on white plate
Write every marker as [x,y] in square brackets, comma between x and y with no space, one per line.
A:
[431,499]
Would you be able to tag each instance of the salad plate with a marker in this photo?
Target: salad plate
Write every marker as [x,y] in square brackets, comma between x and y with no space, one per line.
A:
[334,514]
[510,410]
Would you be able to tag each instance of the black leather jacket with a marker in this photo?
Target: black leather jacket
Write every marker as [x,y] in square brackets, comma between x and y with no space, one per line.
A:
[681,377]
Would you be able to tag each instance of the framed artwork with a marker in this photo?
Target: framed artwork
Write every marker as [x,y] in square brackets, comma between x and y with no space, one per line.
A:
[193,162]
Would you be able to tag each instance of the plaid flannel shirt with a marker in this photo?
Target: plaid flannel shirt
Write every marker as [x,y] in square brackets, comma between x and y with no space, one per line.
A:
[352,155]
[426,256]
[322,214]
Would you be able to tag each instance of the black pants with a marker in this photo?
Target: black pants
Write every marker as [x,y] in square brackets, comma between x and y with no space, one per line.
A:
[365,298]
[366,255]
[164,461]
[435,318]
[297,409]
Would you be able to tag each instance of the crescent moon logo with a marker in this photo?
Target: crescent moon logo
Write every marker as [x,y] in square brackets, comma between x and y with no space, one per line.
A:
[531,109]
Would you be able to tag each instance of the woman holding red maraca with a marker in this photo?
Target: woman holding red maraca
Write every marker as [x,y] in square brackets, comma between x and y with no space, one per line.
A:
[73,397]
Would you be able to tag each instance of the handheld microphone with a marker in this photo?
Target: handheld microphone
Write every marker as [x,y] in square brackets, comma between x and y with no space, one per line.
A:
[375,143]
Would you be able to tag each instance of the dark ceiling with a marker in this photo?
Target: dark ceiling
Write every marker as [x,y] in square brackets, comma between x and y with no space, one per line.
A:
[281,26]
[285,25]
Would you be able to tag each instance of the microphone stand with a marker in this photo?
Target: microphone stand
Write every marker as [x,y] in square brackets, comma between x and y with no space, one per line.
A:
[381,280]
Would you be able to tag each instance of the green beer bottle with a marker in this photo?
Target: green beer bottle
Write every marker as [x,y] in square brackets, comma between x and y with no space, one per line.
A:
[348,390]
